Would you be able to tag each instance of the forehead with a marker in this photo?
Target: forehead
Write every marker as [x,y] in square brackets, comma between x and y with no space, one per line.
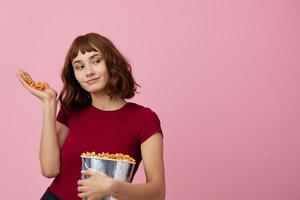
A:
[86,55]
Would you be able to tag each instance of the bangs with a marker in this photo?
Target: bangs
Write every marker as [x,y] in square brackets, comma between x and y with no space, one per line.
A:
[83,45]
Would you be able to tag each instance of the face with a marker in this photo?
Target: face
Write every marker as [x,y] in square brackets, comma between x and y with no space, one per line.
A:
[90,71]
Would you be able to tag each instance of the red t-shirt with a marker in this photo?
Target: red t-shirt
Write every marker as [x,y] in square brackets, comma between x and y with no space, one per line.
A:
[92,129]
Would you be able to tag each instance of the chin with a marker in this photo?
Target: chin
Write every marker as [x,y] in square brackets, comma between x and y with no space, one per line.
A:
[95,90]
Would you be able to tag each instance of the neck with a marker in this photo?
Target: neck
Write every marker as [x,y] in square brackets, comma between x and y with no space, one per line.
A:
[103,101]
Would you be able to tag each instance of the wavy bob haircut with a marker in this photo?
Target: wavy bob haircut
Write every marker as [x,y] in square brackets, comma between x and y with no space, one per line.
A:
[120,84]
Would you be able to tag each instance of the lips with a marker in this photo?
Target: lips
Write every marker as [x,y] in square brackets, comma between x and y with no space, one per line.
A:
[91,81]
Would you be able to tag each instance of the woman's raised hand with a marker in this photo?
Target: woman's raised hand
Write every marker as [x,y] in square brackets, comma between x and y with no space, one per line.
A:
[41,89]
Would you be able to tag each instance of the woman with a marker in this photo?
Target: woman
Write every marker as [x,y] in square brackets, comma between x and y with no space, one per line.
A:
[94,116]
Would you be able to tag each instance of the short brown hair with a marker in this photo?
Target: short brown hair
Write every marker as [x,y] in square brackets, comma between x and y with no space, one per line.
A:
[121,82]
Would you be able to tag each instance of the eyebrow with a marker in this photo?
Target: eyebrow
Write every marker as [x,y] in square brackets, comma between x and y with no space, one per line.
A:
[92,56]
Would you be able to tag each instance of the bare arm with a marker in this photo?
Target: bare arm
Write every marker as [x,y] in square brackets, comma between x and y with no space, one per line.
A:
[154,188]
[53,132]
[52,139]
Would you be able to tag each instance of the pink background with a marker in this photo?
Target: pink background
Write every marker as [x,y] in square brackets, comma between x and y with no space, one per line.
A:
[223,76]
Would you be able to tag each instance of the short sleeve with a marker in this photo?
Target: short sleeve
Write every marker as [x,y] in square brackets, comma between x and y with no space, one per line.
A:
[150,127]
[62,117]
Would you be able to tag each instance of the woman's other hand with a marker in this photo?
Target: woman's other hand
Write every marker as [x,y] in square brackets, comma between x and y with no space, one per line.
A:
[97,186]
[45,95]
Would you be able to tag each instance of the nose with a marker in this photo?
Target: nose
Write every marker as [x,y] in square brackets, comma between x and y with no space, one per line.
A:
[89,71]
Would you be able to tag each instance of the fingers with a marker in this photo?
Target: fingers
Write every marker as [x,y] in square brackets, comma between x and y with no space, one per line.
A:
[88,172]
[81,195]
[81,188]
[81,182]
[26,80]
[25,74]
[19,76]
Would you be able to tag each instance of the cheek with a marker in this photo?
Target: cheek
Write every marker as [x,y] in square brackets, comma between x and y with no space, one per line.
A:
[106,73]
[106,77]
[78,76]
[103,68]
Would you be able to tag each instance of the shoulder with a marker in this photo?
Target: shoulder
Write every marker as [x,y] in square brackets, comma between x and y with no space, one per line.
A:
[71,112]
[143,111]
[140,108]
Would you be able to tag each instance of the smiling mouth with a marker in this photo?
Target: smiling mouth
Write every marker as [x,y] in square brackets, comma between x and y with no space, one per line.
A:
[92,81]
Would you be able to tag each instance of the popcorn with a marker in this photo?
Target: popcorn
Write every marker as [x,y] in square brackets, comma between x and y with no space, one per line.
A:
[39,86]
[116,156]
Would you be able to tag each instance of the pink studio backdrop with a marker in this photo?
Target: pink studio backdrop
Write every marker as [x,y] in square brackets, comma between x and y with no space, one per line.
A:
[223,76]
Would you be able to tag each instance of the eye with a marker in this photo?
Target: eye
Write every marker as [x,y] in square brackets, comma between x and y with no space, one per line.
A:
[97,61]
[78,67]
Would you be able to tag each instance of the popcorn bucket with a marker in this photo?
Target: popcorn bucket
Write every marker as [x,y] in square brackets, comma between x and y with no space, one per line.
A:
[120,170]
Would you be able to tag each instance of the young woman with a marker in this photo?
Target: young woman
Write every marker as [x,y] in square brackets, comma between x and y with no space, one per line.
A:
[94,116]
